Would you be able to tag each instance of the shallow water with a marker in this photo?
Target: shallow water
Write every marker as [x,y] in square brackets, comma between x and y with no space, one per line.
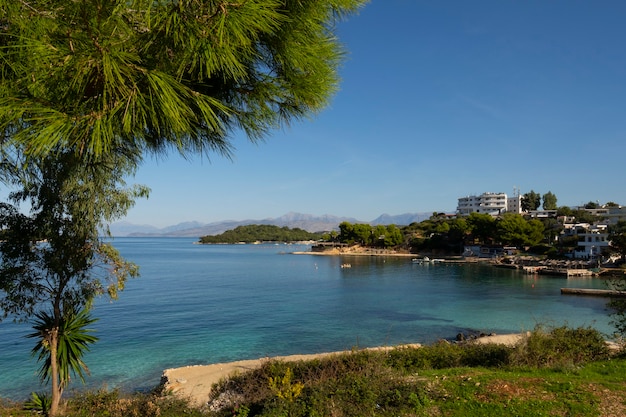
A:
[197,304]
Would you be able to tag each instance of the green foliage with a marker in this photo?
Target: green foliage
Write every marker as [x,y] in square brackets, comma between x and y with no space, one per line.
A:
[459,228]
[564,211]
[262,233]
[583,216]
[482,227]
[39,403]
[617,306]
[367,235]
[70,203]
[95,76]
[513,229]
[73,340]
[53,261]
[284,387]
[561,347]
[448,355]
[531,201]
[549,201]
[617,236]
[552,228]
[113,404]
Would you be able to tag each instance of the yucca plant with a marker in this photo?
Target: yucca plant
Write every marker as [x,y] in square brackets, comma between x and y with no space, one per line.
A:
[39,403]
[73,338]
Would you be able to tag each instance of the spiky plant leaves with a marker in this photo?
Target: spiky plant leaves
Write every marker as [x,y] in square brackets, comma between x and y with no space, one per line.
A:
[74,338]
[39,402]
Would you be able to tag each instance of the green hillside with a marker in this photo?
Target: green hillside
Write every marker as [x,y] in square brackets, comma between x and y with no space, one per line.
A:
[261,233]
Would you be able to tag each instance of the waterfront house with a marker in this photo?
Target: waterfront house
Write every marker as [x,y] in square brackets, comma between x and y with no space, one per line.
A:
[593,240]
[489,203]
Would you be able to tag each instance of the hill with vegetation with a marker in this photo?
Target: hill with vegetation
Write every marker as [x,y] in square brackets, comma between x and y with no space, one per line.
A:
[261,233]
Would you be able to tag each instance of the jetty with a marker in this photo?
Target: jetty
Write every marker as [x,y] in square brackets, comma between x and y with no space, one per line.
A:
[568,272]
[593,292]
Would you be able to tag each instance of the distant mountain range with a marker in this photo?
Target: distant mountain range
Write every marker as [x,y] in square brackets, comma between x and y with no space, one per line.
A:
[306,222]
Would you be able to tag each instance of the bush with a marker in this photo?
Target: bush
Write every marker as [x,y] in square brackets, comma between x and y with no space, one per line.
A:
[561,347]
[38,403]
[112,404]
[437,356]
[489,355]
[448,355]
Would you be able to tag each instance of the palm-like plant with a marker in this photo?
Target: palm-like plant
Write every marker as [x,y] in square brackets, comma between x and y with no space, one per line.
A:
[74,339]
[39,403]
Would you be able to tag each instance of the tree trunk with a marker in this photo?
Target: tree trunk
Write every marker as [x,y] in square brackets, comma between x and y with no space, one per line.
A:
[57,384]
[57,389]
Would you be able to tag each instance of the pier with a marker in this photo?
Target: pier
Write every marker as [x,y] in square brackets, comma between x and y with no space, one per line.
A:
[568,272]
[593,292]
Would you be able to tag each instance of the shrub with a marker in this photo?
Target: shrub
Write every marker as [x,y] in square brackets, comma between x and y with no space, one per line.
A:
[448,355]
[561,347]
[438,356]
[39,403]
[489,355]
[284,387]
[112,404]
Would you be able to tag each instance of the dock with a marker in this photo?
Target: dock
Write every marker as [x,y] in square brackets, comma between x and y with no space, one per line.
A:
[568,272]
[593,292]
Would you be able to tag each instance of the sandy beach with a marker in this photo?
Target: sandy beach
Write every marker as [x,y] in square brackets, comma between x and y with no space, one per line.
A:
[195,382]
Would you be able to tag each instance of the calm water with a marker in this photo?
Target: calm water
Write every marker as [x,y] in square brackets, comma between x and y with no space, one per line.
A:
[197,304]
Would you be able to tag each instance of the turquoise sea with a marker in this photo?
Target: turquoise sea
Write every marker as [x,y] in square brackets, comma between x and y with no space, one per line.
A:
[202,304]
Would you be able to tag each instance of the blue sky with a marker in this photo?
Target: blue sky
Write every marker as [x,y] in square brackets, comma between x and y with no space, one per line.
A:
[438,100]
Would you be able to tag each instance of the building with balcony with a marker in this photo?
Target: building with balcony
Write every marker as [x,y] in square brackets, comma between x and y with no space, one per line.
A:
[489,203]
[593,240]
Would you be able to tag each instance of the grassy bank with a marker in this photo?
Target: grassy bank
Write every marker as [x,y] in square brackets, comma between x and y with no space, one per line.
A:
[561,372]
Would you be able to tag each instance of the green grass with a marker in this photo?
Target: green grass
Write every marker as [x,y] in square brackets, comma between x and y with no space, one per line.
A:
[560,372]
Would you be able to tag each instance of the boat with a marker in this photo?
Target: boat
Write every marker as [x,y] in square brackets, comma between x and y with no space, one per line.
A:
[426,260]
[420,261]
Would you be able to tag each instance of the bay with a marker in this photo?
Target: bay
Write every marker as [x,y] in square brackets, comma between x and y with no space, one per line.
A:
[202,304]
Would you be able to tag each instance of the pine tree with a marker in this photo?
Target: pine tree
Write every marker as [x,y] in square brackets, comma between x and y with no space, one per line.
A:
[97,75]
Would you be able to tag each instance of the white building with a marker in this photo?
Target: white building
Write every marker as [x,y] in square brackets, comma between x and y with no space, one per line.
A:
[489,203]
[514,204]
[610,214]
[592,239]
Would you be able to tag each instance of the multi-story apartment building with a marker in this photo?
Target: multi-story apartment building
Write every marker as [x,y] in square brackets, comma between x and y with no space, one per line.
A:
[593,240]
[514,204]
[489,203]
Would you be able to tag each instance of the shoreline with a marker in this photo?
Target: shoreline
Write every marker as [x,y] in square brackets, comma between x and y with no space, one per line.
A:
[195,382]
[528,265]
[328,253]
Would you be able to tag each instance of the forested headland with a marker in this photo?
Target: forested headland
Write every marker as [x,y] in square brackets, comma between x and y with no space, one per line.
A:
[261,233]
